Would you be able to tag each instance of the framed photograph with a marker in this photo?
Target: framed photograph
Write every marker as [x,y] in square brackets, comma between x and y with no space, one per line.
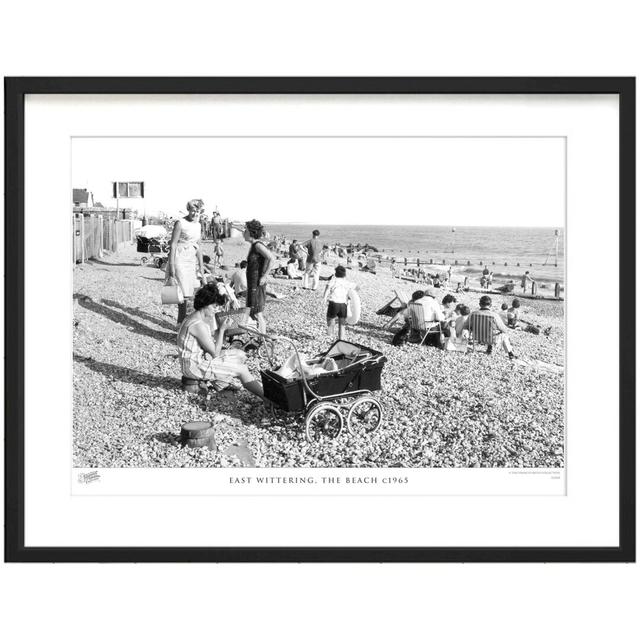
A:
[320,319]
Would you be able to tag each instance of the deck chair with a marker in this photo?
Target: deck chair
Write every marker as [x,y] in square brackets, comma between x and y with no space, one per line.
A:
[399,301]
[418,323]
[482,329]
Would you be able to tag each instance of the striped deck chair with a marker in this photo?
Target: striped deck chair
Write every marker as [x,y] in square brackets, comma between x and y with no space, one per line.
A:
[399,301]
[418,323]
[402,297]
[482,329]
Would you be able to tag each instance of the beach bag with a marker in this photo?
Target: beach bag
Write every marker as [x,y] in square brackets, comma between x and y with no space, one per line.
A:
[171,293]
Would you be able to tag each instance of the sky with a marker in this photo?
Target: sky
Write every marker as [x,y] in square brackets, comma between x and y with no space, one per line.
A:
[430,181]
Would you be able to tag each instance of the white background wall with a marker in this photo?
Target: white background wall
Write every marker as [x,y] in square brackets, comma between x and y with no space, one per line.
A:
[330,38]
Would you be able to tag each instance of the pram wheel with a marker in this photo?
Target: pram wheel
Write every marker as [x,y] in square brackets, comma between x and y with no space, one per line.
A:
[144,259]
[365,416]
[324,420]
[159,263]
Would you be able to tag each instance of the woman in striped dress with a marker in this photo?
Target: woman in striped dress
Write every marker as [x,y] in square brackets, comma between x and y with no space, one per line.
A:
[201,355]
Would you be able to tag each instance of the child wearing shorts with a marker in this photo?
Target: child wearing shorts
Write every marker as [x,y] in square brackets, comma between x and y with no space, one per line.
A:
[337,294]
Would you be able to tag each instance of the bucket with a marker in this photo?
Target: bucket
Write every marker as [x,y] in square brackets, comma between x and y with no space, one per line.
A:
[171,294]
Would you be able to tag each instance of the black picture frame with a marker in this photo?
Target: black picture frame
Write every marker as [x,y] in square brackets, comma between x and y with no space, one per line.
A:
[15,91]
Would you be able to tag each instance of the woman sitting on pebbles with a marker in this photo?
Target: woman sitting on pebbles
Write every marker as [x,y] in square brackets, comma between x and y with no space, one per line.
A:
[201,354]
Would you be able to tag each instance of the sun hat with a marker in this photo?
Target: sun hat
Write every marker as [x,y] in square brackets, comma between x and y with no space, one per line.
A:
[430,292]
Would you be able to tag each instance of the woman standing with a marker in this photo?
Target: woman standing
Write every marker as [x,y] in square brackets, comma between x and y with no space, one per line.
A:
[259,263]
[185,256]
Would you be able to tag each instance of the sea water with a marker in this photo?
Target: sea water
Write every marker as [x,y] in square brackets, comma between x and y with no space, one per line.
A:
[521,248]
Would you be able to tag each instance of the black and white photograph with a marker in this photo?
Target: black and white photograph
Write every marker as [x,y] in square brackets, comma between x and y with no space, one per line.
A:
[319,302]
[362,318]
[317,317]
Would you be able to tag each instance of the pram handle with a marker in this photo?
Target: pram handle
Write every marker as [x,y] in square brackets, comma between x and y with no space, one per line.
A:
[295,349]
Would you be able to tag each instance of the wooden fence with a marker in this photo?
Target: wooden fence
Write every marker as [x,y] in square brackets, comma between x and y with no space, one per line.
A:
[93,235]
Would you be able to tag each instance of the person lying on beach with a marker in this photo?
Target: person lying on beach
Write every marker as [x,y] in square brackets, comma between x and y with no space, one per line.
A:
[337,294]
[200,341]
[500,330]
[293,273]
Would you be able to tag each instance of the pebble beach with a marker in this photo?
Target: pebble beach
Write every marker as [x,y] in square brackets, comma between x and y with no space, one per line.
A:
[441,409]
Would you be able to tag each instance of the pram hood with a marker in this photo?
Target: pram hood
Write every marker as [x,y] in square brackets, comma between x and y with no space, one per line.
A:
[350,349]
[152,231]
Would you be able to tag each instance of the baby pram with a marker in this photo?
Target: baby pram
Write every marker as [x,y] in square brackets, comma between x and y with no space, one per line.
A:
[331,389]
[151,240]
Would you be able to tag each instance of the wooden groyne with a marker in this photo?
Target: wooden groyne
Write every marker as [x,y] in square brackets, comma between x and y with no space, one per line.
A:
[456,262]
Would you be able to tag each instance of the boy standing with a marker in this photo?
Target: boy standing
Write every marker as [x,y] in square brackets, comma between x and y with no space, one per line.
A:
[337,293]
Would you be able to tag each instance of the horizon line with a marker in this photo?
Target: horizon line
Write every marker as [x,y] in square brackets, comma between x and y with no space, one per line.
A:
[402,224]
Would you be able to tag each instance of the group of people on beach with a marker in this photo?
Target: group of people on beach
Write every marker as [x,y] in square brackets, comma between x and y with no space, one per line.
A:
[448,321]
[211,229]
[206,293]
[200,338]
